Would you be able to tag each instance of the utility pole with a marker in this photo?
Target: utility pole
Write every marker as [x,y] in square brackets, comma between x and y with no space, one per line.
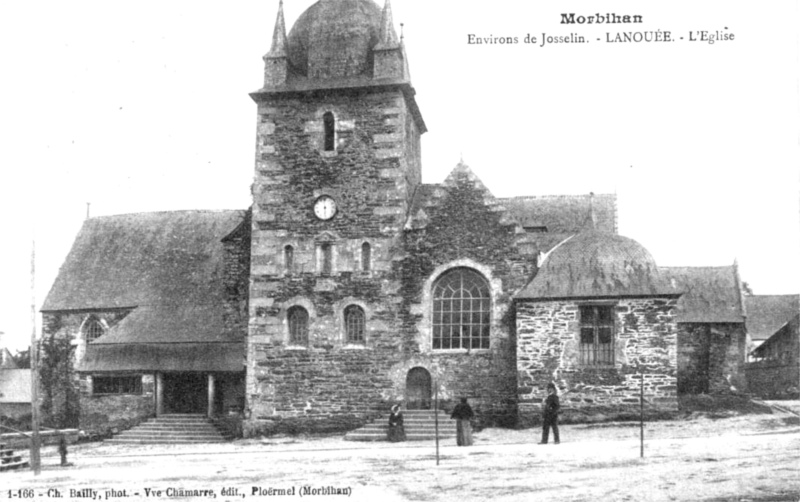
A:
[36,442]
[436,418]
[641,412]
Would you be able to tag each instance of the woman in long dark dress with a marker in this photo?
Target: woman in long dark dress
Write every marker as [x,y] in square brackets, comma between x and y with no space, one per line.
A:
[396,431]
[462,413]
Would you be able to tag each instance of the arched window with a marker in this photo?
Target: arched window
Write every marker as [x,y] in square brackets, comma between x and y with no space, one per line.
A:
[366,257]
[326,250]
[328,123]
[461,310]
[354,324]
[92,330]
[288,259]
[297,318]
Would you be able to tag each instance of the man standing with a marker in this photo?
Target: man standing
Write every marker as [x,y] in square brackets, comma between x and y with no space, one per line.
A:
[462,413]
[550,407]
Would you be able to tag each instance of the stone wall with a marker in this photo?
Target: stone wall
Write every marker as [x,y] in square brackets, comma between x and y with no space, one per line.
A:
[778,374]
[103,415]
[711,358]
[329,384]
[645,345]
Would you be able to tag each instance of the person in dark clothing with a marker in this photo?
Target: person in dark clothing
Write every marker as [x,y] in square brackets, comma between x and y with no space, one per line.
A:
[462,413]
[550,407]
[396,432]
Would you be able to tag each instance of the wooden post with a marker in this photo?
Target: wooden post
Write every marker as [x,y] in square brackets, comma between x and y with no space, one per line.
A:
[36,441]
[210,395]
[436,418]
[159,394]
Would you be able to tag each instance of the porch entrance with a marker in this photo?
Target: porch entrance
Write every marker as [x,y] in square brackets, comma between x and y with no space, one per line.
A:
[185,393]
[418,389]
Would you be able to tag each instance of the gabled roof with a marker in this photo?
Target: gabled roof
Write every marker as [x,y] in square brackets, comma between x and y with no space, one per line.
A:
[710,294]
[564,214]
[170,324]
[145,259]
[766,314]
[15,386]
[560,215]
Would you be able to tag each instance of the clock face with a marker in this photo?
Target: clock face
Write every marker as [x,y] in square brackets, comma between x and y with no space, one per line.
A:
[325,208]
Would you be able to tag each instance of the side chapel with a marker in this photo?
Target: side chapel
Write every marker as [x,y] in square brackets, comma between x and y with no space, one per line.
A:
[350,285]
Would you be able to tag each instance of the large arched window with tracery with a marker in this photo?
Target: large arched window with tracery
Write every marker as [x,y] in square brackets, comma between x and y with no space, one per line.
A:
[461,310]
[297,318]
[92,330]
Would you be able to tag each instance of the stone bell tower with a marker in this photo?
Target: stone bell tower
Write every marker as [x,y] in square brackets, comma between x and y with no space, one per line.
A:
[337,164]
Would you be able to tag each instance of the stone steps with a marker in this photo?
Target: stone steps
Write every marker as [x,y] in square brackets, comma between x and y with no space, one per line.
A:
[10,460]
[420,425]
[171,429]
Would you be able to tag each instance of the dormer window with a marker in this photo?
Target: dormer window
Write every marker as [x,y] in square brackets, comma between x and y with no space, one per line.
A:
[328,124]
[535,229]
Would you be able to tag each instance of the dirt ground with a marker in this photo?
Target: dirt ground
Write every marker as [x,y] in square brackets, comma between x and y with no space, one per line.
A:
[734,458]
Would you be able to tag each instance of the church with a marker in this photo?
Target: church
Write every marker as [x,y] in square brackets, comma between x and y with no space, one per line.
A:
[349,285]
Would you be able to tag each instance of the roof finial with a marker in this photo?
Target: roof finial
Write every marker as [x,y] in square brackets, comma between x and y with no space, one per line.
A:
[388,37]
[279,42]
[402,36]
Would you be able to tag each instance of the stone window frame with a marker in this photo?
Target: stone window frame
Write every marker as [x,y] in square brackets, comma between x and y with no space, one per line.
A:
[425,326]
[289,259]
[326,239]
[308,306]
[90,321]
[340,325]
[613,323]
[478,317]
[365,265]
[329,131]
[359,323]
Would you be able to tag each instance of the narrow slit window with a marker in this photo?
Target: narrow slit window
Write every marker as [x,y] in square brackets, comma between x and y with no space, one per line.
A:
[288,259]
[329,122]
[327,258]
[366,257]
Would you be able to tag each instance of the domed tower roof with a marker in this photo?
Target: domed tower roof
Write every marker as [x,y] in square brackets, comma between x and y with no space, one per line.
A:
[597,265]
[335,38]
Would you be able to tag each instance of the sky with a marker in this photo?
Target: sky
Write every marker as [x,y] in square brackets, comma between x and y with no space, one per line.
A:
[144,106]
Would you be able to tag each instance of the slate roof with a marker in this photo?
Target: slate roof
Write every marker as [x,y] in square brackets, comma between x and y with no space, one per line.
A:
[596,264]
[15,386]
[766,314]
[564,213]
[228,357]
[168,269]
[145,259]
[710,294]
[561,215]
